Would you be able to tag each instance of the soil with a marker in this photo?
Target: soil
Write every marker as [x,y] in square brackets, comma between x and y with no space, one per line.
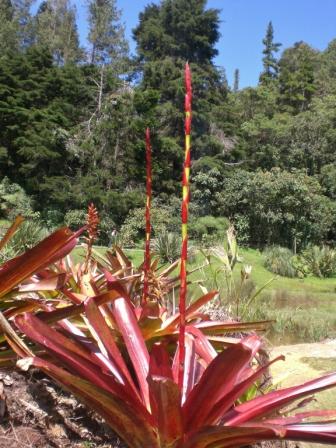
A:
[35,413]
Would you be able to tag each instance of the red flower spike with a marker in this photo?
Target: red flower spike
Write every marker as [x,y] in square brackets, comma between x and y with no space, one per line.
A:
[147,261]
[187,77]
[185,205]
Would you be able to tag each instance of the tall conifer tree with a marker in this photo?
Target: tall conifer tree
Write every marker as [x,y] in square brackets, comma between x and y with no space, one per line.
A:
[56,29]
[106,33]
[270,63]
[236,80]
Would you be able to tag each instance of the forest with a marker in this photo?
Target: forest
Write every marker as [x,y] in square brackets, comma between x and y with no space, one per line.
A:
[72,124]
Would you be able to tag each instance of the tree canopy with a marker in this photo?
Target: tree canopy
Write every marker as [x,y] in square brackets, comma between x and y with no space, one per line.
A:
[72,120]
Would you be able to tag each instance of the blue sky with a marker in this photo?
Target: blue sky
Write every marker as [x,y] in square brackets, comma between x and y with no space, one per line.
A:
[243,25]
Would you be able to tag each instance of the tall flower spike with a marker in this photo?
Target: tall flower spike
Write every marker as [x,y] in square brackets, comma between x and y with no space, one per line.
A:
[185,206]
[147,261]
[92,221]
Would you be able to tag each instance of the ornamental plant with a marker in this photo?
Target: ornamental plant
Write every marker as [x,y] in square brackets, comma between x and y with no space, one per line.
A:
[158,380]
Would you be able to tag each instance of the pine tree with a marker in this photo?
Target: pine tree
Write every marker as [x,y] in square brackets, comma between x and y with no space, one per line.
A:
[297,77]
[16,25]
[236,80]
[56,29]
[106,34]
[182,29]
[24,20]
[168,34]
[270,63]
[8,27]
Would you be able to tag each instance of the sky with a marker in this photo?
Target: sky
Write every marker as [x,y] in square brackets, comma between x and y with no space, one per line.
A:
[243,26]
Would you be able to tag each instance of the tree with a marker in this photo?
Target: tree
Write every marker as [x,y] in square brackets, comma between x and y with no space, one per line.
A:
[168,34]
[326,70]
[280,206]
[56,30]
[40,103]
[236,80]
[180,29]
[24,20]
[106,34]
[8,28]
[270,63]
[297,77]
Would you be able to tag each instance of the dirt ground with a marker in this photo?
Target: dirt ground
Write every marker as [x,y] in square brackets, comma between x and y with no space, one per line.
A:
[35,413]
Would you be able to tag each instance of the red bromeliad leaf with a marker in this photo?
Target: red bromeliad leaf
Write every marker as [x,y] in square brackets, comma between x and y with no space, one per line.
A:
[315,433]
[76,358]
[159,364]
[237,391]
[212,386]
[134,341]
[52,283]
[301,416]
[116,290]
[72,354]
[190,367]
[12,229]
[227,437]
[18,269]
[173,321]
[135,428]
[261,406]
[166,400]
[106,338]
[203,347]
[218,327]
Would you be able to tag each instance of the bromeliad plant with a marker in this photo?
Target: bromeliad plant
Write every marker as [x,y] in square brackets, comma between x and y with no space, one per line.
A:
[124,363]
[137,390]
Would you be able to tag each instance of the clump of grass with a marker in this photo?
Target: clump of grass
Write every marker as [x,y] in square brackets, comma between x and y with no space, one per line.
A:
[320,261]
[279,260]
[167,246]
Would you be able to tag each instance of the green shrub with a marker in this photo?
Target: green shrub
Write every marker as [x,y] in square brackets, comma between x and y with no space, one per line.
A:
[14,201]
[279,260]
[209,230]
[27,236]
[163,219]
[167,245]
[319,261]
[75,218]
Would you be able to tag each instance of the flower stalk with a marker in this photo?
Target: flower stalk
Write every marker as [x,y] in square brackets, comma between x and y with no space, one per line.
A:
[185,208]
[92,222]
[147,260]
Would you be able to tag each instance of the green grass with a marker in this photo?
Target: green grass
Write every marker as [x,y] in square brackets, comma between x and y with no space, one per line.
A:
[304,309]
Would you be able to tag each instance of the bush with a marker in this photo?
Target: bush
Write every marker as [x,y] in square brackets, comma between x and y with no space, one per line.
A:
[14,201]
[279,260]
[209,230]
[319,261]
[27,236]
[133,230]
[167,245]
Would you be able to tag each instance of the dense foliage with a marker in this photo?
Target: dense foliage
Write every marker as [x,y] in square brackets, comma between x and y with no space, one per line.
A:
[72,121]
